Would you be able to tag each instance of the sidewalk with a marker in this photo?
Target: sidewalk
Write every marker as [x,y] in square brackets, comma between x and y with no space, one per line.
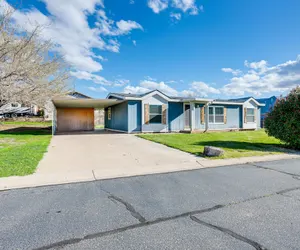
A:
[38,179]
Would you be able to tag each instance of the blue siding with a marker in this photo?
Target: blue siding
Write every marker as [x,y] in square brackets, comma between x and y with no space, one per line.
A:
[134,116]
[119,117]
[176,116]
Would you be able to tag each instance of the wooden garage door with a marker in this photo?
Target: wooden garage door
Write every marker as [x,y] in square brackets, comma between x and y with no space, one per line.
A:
[75,119]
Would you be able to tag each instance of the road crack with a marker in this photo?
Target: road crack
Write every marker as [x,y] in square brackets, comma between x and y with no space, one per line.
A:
[295,176]
[63,243]
[129,207]
[229,232]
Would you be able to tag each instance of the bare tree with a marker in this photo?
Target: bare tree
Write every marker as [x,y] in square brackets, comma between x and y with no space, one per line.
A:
[30,71]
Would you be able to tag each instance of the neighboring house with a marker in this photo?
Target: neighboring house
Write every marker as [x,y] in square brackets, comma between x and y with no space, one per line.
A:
[156,112]
[269,105]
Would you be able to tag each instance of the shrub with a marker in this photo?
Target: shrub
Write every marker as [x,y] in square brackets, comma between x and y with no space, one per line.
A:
[283,122]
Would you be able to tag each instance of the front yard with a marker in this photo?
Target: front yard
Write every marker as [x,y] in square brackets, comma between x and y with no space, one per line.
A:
[22,146]
[235,144]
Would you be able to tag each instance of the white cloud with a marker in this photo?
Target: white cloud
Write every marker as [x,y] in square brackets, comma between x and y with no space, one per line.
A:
[98,89]
[134,42]
[126,26]
[233,71]
[83,75]
[188,93]
[135,90]
[176,16]
[149,78]
[202,89]
[187,6]
[158,5]
[260,78]
[68,27]
[184,5]
[160,86]
[121,82]
[131,2]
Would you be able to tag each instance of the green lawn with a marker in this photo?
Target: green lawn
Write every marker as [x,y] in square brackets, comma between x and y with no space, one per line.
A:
[27,123]
[21,150]
[235,144]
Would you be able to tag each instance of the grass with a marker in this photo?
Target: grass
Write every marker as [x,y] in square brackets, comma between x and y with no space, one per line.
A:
[21,149]
[99,126]
[27,123]
[235,144]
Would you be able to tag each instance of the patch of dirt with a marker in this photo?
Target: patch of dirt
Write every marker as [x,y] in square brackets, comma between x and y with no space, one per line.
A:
[10,141]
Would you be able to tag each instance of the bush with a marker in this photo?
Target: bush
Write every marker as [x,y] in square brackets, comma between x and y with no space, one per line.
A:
[283,122]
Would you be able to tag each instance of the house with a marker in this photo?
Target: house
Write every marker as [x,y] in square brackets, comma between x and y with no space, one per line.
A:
[155,111]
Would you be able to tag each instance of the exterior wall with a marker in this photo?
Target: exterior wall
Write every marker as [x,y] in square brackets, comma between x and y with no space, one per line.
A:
[134,116]
[154,100]
[176,116]
[119,117]
[234,114]
[75,119]
[251,125]
[233,118]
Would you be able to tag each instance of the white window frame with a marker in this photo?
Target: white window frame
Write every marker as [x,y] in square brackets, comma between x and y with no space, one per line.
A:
[214,114]
[161,114]
[247,115]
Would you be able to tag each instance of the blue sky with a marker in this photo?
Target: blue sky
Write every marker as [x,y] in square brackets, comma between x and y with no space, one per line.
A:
[207,48]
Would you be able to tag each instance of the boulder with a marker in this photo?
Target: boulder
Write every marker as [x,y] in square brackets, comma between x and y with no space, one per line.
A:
[212,151]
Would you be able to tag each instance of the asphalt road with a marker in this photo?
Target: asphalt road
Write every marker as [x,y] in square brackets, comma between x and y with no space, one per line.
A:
[253,206]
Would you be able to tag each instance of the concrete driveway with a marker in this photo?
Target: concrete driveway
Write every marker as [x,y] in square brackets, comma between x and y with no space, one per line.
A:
[107,154]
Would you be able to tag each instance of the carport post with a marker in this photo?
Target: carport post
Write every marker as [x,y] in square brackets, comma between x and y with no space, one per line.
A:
[53,120]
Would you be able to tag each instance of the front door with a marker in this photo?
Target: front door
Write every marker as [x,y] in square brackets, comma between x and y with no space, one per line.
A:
[187,116]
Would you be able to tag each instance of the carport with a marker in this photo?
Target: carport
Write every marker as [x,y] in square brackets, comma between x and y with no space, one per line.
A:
[77,114]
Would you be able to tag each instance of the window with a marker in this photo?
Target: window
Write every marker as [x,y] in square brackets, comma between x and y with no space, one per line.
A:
[250,115]
[14,105]
[109,113]
[155,114]
[216,114]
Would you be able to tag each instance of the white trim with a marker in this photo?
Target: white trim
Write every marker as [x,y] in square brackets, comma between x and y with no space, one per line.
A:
[156,93]
[256,102]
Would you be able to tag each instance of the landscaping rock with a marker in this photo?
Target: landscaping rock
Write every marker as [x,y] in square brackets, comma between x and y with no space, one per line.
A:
[212,151]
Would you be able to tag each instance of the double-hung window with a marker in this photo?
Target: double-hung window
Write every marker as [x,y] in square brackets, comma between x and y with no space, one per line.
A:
[250,115]
[216,114]
[155,114]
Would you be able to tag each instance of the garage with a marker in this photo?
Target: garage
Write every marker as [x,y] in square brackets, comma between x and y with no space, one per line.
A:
[74,115]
